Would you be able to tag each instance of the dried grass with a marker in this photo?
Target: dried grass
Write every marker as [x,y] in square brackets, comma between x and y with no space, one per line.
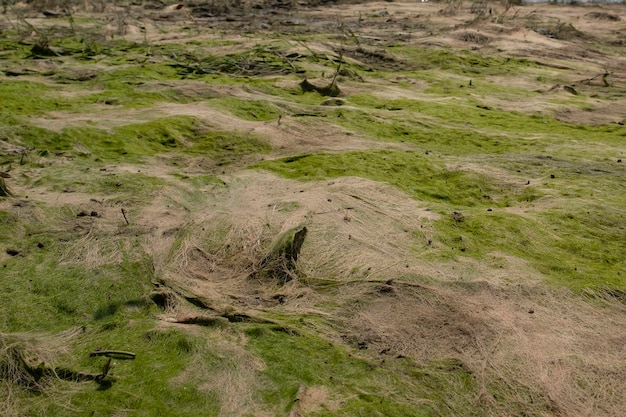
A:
[562,357]
[23,357]
[4,189]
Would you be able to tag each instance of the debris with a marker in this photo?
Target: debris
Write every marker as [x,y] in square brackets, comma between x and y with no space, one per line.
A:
[331,90]
[12,252]
[280,262]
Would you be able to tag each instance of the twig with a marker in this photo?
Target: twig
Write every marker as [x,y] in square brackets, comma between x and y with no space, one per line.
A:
[124,214]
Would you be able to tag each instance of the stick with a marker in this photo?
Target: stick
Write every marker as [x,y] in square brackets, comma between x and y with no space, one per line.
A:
[124,214]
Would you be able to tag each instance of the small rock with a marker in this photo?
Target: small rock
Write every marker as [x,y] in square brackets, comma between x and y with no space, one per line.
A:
[552,176]
[12,252]
[94,214]
[531,311]
[82,214]
[40,245]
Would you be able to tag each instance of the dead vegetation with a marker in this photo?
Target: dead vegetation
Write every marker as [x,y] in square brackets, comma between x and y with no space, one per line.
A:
[348,252]
[533,342]
[26,361]
[4,189]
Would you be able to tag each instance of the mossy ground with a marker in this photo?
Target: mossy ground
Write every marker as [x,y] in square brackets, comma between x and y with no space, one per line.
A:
[102,215]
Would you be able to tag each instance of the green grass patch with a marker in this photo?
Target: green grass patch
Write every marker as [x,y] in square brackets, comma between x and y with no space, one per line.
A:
[579,249]
[420,176]
[361,387]
[42,296]
[134,142]
[33,98]
[127,86]
[255,110]
[228,146]
[461,62]
[455,114]
[149,385]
